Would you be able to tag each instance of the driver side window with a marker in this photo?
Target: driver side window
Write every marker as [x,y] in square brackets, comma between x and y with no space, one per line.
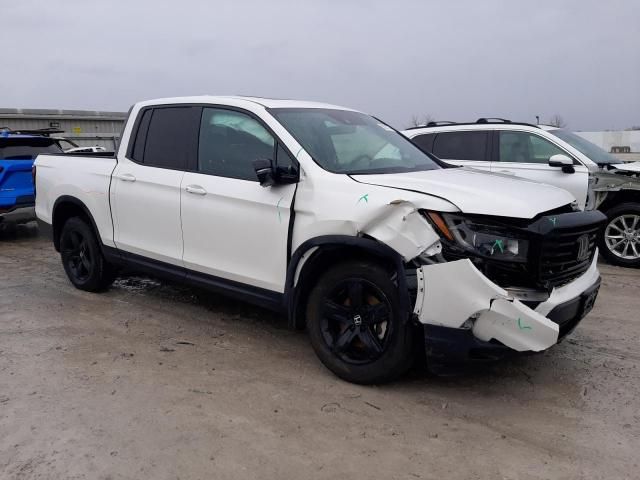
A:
[229,143]
[524,147]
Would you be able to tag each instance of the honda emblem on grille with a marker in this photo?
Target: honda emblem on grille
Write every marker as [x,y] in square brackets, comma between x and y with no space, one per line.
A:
[583,248]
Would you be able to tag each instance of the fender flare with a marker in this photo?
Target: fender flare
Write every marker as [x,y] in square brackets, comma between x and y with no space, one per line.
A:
[367,245]
[78,203]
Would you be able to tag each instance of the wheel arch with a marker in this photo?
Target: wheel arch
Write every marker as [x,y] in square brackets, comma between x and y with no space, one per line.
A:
[325,251]
[617,198]
[66,207]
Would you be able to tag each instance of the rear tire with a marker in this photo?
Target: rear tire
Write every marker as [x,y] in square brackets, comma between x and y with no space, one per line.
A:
[356,326]
[82,257]
[619,241]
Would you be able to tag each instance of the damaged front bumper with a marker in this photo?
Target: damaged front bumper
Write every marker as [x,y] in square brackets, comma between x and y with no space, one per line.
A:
[466,316]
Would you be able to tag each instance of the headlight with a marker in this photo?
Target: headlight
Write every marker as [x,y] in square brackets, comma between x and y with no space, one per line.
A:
[484,239]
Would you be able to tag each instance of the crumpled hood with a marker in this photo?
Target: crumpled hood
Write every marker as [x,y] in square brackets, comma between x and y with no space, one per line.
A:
[478,192]
[633,167]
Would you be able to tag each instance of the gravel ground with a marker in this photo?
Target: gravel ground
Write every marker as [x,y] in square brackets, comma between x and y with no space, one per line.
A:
[151,380]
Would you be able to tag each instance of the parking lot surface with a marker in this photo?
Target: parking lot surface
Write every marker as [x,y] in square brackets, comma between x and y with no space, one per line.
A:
[153,380]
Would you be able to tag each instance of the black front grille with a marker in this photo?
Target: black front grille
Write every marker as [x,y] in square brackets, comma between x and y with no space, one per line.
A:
[554,259]
[566,254]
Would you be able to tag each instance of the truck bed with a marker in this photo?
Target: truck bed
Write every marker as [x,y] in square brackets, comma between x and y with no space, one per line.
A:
[86,177]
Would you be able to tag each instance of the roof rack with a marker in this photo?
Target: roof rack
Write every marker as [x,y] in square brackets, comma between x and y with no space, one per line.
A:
[481,121]
[45,132]
[438,123]
[493,120]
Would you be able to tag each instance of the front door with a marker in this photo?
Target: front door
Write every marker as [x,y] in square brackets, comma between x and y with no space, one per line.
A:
[526,155]
[233,228]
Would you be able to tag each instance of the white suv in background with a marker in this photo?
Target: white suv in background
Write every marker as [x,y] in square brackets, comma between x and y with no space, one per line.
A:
[554,156]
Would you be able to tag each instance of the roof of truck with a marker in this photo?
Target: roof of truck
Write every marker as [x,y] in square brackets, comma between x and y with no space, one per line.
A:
[265,102]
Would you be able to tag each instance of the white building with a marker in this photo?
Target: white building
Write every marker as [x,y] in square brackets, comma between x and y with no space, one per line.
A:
[624,144]
[85,128]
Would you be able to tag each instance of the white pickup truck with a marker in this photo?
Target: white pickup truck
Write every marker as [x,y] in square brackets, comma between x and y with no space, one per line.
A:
[336,219]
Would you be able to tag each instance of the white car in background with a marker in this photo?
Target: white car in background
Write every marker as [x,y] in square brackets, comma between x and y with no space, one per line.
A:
[551,155]
[94,149]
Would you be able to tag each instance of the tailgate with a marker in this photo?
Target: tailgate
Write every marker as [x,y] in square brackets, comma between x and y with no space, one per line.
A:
[16,183]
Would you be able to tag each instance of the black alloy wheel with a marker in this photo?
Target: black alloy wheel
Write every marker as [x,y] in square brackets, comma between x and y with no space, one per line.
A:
[82,257]
[356,325]
[75,250]
[356,321]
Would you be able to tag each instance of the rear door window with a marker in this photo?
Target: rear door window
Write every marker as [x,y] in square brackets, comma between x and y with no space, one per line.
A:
[137,151]
[172,137]
[471,145]
[425,142]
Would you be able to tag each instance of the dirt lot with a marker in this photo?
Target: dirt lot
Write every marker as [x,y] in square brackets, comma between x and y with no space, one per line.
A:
[162,382]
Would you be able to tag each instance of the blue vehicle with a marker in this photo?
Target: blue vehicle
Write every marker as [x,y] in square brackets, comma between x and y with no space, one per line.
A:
[18,150]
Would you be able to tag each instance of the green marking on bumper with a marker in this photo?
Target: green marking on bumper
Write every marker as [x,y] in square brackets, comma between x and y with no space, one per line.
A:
[522,326]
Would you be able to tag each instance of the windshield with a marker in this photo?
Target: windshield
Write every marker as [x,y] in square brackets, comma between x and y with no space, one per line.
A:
[26,148]
[595,153]
[342,141]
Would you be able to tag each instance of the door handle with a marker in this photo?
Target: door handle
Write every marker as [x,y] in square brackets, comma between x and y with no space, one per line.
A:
[195,189]
[127,177]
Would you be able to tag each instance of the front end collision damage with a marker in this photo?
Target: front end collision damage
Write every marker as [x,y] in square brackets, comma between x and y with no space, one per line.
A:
[456,295]
[402,227]
[398,225]
[450,294]
[614,178]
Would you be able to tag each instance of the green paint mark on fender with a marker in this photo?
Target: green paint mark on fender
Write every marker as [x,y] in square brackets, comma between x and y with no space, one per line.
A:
[522,326]
[364,197]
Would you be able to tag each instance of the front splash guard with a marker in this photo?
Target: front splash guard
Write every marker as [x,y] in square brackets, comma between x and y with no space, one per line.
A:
[451,293]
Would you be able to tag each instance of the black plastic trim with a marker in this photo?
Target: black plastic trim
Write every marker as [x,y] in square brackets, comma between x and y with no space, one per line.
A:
[83,207]
[291,292]
[449,348]
[247,293]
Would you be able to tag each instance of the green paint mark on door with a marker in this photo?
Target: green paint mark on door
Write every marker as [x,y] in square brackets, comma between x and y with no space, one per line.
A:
[278,208]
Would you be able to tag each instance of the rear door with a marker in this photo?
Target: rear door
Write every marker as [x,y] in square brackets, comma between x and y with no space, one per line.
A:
[463,148]
[145,189]
[234,228]
[526,154]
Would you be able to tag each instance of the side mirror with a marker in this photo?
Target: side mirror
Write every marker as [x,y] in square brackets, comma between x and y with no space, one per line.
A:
[562,161]
[268,175]
[265,172]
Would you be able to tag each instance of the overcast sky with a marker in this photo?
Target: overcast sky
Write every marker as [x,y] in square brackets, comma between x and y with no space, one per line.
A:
[450,59]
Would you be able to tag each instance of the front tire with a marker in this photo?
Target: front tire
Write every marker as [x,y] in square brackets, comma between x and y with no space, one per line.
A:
[82,257]
[620,238]
[356,326]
